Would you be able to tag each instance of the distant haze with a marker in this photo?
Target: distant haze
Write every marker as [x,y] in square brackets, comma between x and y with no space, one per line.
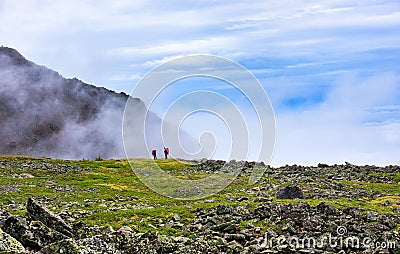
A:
[44,114]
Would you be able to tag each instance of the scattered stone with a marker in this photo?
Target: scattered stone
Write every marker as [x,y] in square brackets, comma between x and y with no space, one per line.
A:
[371,216]
[210,165]
[67,246]
[326,209]
[24,175]
[244,198]
[219,229]
[125,229]
[176,217]
[81,230]
[235,237]
[387,203]
[263,199]
[103,243]
[214,230]
[38,164]
[290,192]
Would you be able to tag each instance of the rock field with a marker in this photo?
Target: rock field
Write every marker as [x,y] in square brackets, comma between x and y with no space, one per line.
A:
[293,209]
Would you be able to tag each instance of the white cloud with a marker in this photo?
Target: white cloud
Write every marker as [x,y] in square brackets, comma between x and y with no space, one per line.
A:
[146,31]
[173,48]
[123,77]
[113,43]
[340,130]
[156,62]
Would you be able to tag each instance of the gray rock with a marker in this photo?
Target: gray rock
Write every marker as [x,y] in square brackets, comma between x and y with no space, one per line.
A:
[176,217]
[217,240]
[101,243]
[81,230]
[41,213]
[9,244]
[67,246]
[235,237]
[244,198]
[235,246]
[145,243]
[290,192]
[387,203]
[24,175]
[227,227]
[326,209]
[34,234]
[371,216]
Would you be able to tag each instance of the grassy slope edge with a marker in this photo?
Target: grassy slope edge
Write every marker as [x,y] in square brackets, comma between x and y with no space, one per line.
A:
[107,192]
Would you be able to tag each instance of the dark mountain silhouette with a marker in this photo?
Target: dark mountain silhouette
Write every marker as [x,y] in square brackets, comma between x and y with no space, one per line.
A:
[44,114]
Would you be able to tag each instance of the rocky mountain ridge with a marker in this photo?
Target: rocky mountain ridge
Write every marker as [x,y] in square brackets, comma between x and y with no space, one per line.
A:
[44,114]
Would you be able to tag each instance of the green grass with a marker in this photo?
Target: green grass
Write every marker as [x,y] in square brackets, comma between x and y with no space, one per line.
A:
[112,184]
[172,164]
[396,179]
[386,188]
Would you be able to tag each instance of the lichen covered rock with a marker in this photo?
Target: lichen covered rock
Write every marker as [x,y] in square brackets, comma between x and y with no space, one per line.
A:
[67,246]
[48,218]
[9,244]
[33,234]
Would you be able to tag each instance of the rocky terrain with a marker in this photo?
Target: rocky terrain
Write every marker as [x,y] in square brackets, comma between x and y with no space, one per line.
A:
[54,206]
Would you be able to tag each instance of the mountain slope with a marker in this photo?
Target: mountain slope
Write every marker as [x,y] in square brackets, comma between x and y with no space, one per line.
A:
[44,114]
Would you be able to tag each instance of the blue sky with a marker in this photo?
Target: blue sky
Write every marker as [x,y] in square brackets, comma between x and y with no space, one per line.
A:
[330,68]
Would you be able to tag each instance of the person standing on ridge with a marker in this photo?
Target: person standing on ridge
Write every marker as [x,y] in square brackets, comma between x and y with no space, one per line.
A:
[166,152]
[154,153]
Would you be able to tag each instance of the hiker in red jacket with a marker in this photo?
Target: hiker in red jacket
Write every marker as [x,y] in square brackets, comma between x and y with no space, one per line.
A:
[154,153]
[166,152]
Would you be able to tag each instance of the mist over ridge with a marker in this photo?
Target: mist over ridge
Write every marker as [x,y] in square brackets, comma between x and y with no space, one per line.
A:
[44,114]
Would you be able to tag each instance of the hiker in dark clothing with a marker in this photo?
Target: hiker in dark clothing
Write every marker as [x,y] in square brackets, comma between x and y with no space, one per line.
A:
[166,152]
[154,153]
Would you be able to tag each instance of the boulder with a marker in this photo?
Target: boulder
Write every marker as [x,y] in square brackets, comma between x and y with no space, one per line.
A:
[32,234]
[67,246]
[290,192]
[105,244]
[81,230]
[9,244]
[41,213]
[326,209]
